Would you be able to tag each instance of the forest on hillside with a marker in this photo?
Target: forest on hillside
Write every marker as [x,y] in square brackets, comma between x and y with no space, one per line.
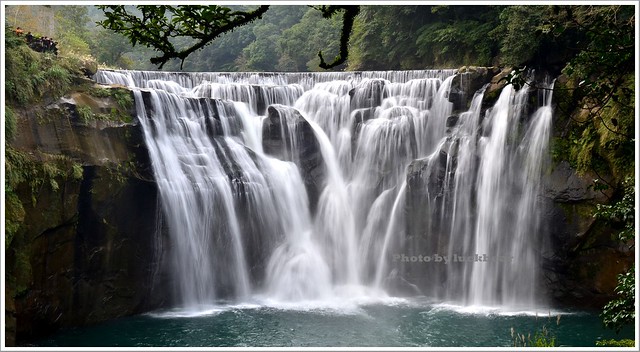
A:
[288,38]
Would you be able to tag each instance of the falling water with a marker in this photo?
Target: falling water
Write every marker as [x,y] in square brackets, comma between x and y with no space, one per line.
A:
[242,222]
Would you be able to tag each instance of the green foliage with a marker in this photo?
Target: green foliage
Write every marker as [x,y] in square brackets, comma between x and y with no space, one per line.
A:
[541,338]
[10,124]
[448,44]
[31,76]
[71,34]
[85,113]
[350,12]
[607,47]
[13,214]
[160,24]
[120,113]
[616,343]
[519,33]
[71,43]
[591,142]
[367,30]
[22,69]
[26,169]
[122,97]
[621,213]
[413,37]
[621,311]
[260,54]
[110,48]
[298,45]
[57,81]
[600,80]
[30,173]
[11,40]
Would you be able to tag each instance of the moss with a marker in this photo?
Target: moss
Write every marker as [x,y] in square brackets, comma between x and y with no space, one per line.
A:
[14,216]
[121,101]
[615,127]
[22,273]
[582,149]
[559,149]
[36,170]
[122,96]
[99,92]
[10,124]
[600,138]
[26,176]
[615,343]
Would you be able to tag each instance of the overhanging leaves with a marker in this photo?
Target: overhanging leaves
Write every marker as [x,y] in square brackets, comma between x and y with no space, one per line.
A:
[155,26]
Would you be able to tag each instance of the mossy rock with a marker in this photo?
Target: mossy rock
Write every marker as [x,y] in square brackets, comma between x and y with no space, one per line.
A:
[498,82]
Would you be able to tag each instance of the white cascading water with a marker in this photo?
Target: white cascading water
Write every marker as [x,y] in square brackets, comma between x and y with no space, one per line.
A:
[240,220]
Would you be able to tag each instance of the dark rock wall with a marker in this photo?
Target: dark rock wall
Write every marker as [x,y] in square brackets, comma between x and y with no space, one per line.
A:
[582,257]
[90,250]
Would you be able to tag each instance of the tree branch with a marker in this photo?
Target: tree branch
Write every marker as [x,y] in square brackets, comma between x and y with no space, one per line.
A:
[350,12]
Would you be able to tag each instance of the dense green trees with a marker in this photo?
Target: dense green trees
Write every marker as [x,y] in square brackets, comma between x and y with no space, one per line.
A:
[410,37]
[288,38]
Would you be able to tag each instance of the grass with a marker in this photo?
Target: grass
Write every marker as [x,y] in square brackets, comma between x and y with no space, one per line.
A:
[540,338]
[615,343]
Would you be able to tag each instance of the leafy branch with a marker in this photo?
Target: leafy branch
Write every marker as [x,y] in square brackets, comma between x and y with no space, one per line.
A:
[158,24]
[350,12]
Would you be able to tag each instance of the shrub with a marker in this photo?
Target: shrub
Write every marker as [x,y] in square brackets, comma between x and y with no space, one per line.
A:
[616,343]
[10,124]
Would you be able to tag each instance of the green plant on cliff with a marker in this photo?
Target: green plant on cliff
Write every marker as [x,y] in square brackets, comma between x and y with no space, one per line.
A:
[29,173]
[621,215]
[599,80]
[620,312]
[122,97]
[31,76]
[85,113]
[10,124]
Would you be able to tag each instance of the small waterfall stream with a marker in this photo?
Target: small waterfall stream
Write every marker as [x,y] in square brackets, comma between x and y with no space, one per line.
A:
[244,222]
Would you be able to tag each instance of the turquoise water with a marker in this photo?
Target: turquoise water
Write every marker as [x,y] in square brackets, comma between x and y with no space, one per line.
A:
[399,323]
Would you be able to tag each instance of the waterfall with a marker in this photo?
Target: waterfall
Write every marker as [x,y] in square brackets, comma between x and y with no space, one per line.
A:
[296,186]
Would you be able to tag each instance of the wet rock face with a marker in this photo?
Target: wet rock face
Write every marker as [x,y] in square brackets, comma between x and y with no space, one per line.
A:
[307,154]
[582,258]
[422,229]
[467,81]
[564,185]
[91,254]
[89,250]
[368,95]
